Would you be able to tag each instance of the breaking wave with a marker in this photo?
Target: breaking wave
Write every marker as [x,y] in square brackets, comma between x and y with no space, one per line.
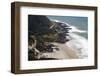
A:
[77,42]
[75,29]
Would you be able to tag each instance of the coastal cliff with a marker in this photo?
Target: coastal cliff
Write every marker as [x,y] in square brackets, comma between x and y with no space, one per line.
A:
[48,39]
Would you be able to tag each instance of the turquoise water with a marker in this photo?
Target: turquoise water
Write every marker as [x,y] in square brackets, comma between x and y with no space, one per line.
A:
[79,22]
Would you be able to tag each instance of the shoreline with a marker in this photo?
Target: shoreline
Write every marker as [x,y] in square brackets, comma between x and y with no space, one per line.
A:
[64,52]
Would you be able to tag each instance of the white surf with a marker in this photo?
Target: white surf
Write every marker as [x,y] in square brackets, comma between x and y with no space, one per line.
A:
[76,42]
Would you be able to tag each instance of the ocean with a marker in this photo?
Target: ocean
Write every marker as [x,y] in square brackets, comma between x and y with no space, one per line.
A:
[79,33]
[79,23]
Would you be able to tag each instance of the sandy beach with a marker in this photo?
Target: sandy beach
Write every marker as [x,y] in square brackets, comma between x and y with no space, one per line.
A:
[64,52]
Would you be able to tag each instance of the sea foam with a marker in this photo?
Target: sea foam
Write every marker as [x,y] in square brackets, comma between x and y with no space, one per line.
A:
[79,44]
[76,42]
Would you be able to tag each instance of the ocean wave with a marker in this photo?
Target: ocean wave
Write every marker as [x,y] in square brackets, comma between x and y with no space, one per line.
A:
[73,28]
[79,44]
[76,42]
